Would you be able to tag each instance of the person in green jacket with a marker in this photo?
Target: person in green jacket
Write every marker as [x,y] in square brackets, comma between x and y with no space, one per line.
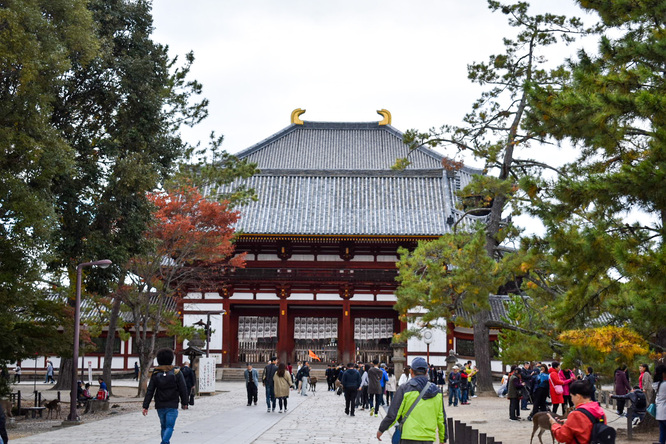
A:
[428,417]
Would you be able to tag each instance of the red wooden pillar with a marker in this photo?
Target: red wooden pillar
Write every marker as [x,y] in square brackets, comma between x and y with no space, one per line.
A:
[283,348]
[346,334]
[450,327]
[227,338]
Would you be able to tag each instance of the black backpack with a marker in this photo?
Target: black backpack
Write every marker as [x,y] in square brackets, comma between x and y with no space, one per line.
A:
[602,433]
[641,401]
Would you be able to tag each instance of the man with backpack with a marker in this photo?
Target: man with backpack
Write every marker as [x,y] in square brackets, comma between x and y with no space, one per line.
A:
[167,384]
[638,402]
[586,424]
[267,381]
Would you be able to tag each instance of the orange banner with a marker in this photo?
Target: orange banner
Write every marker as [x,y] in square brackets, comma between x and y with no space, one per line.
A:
[313,356]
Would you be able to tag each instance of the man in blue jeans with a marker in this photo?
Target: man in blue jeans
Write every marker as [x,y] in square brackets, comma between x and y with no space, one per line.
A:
[167,384]
[267,381]
[454,386]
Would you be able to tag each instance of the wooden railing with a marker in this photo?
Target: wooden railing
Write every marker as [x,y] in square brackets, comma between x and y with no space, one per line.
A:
[461,433]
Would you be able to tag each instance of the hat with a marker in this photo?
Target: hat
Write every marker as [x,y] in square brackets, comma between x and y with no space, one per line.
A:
[419,363]
[455,367]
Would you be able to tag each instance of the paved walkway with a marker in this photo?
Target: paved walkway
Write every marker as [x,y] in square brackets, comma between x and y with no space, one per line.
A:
[225,418]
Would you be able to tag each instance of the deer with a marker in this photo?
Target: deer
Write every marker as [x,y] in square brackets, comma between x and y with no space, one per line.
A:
[53,407]
[542,423]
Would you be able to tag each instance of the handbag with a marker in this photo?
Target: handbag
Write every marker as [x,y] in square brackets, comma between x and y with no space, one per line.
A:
[558,388]
[652,410]
[397,432]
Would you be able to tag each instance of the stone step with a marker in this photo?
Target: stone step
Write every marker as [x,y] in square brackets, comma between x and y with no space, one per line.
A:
[237,374]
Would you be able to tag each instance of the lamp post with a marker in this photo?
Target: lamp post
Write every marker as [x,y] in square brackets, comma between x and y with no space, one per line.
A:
[206,326]
[73,418]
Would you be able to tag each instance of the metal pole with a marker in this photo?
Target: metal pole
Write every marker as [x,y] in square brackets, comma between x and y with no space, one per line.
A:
[208,334]
[77,330]
[75,355]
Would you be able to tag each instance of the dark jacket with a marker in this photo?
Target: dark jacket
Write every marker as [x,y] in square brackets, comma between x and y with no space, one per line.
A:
[622,386]
[515,387]
[454,380]
[427,421]
[190,380]
[268,373]
[3,428]
[375,376]
[167,385]
[637,398]
[351,379]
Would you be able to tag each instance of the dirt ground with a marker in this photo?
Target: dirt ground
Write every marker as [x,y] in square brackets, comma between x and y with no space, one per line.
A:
[124,401]
[490,415]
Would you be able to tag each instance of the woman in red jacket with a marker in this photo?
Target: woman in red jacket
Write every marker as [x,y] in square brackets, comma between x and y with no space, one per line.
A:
[557,398]
[578,428]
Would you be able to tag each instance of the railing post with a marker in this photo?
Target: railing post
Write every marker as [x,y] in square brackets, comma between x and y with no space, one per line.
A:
[474,437]
[483,438]
[630,414]
[458,432]
[490,440]
[449,431]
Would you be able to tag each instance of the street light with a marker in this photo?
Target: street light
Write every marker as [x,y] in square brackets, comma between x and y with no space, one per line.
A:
[73,418]
[206,327]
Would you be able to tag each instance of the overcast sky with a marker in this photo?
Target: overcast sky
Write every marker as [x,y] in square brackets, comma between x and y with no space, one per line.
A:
[340,60]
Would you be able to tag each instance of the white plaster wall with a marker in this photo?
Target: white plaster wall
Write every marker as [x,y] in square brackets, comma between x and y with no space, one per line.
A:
[203,307]
[329,258]
[193,295]
[301,297]
[242,296]
[363,258]
[267,297]
[387,298]
[328,297]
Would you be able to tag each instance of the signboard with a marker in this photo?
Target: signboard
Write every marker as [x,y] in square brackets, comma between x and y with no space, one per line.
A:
[90,372]
[206,375]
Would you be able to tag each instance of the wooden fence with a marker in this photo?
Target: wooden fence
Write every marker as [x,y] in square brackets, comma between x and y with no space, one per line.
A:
[461,433]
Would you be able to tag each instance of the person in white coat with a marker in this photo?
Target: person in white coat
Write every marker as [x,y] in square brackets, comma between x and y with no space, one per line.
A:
[406,376]
[660,400]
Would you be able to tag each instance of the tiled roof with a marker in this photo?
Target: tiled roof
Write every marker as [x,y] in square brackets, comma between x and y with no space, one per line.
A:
[325,178]
[498,312]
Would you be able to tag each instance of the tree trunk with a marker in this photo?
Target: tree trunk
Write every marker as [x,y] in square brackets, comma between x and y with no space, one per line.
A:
[64,380]
[110,339]
[144,365]
[484,379]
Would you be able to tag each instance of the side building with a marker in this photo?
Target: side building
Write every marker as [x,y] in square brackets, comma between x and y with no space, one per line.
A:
[321,244]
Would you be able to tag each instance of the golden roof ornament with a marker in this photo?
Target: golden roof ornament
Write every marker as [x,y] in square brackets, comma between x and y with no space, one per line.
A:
[295,116]
[387,116]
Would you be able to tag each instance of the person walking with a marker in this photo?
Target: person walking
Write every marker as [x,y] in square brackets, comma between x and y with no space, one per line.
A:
[136,371]
[305,376]
[49,373]
[167,385]
[622,387]
[567,376]
[267,381]
[282,383]
[578,426]
[351,383]
[190,381]
[375,376]
[365,398]
[251,384]
[426,422]
[17,374]
[541,384]
[391,386]
[659,387]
